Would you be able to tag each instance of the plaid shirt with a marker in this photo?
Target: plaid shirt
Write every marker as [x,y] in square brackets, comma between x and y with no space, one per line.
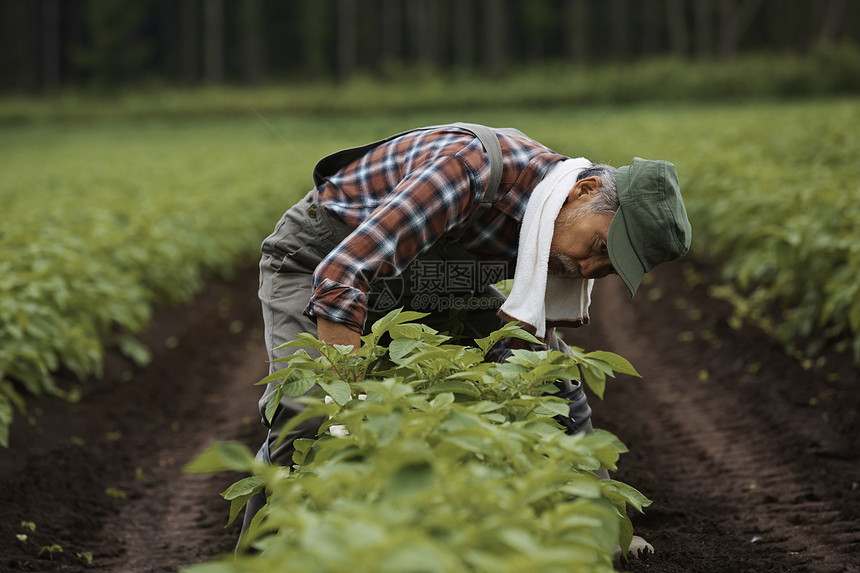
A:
[404,195]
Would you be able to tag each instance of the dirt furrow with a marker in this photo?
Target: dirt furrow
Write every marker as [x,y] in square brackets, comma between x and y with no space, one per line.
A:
[733,479]
[182,511]
[103,478]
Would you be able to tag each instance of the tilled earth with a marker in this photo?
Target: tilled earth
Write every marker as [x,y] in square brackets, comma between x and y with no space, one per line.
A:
[751,460]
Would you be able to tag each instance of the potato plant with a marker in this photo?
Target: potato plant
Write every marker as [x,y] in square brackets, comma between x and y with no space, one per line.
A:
[100,224]
[449,464]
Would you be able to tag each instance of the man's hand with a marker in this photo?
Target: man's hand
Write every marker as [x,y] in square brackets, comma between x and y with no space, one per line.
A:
[336,333]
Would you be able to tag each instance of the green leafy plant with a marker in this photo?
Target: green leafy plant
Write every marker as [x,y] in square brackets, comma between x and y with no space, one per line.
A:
[777,208]
[449,464]
[50,550]
[85,557]
[99,228]
[116,493]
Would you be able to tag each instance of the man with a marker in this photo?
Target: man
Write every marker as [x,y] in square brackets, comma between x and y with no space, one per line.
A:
[450,210]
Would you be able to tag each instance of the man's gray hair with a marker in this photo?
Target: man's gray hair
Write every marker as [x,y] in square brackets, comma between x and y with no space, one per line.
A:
[606,201]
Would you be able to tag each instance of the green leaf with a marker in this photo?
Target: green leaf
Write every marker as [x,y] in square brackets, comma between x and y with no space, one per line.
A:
[401,347]
[618,363]
[297,387]
[411,479]
[222,456]
[454,386]
[272,406]
[395,317]
[135,349]
[471,442]
[509,330]
[385,426]
[290,371]
[625,533]
[245,486]
[305,340]
[302,447]
[314,409]
[6,412]
[628,494]
[485,406]
[339,390]
[240,492]
[556,408]
[417,331]
[442,400]
[595,378]
[519,540]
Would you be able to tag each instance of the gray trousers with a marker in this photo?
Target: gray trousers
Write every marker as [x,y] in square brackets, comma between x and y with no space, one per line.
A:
[302,238]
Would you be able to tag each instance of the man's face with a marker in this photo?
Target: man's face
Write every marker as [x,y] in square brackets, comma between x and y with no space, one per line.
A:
[578,247]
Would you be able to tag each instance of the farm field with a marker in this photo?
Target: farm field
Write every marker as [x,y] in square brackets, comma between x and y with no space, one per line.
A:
[748,454]
[744,473]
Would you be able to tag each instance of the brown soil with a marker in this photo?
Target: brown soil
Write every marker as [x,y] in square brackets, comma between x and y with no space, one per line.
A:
[750,460]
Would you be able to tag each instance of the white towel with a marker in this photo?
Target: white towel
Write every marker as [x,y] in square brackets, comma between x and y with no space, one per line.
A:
[539,300]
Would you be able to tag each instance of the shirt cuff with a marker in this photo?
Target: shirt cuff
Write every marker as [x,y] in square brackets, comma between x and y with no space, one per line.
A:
[340,303]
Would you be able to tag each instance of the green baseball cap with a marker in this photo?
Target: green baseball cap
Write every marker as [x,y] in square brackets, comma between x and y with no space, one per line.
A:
[651,225]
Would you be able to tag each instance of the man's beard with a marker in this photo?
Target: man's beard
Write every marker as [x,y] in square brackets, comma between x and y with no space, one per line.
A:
[570,268]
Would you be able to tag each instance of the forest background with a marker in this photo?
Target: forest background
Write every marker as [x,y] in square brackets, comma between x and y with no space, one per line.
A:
[49,46]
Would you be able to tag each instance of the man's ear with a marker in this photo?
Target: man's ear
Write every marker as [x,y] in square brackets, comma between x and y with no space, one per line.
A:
[584,189]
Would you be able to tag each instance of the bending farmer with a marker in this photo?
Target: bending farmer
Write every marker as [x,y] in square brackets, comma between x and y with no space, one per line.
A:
[430,219]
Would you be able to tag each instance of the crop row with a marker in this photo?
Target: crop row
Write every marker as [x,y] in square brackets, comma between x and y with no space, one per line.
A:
[774,195]
[450,464]
[100,226]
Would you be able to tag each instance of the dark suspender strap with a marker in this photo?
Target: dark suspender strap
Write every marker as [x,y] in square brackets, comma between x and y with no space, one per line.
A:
[490,142]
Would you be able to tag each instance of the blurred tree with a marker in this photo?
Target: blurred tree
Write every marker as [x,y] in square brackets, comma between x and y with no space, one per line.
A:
[576,30]
[423,21]
[780,25]
[114,52]
[316,37]
[347,39]
[677,26]
[253,41]
[650,25]
[213,41]
[704,31]
[735,18]
[619,30]
[50,45]
[465,32]
[189,41]
[832,21]
[392,32]
[537,19]
[494,37]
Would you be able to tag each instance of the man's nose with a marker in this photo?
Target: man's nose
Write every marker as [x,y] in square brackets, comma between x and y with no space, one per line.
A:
[595,267]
